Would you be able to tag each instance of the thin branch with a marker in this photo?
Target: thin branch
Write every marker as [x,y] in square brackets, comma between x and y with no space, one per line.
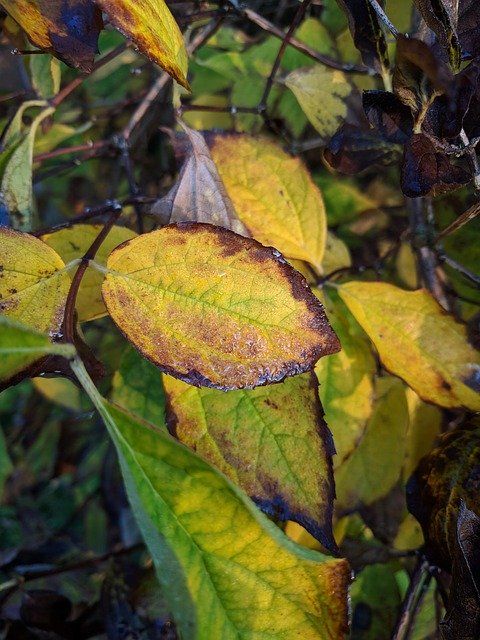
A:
[86,146]
[473,277]
[471,213]
[162,80]
[71,86]
[268,26]
[383,17]
[421,244]
[417,588]
[297,19]
[472,159]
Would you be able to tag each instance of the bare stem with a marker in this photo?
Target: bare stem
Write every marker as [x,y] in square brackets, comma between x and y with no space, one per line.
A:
[383,17]
[413,599]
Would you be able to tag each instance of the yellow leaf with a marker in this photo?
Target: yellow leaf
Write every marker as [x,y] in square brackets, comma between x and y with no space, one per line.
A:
[72,243]
[33,282]
[67,28]
[417,341]
[248,435]
[152,28]
[60,391]
[346,380]
[424,428]
[322,94]
[375,465]
[273,195]
[214,308]
[337,254]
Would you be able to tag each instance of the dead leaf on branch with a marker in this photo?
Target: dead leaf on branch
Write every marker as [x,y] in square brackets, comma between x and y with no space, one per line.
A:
[199,194]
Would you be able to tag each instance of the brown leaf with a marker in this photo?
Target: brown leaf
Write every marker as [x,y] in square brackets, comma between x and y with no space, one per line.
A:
[199,194]
[428,171]
[352,150]
[438,17]
[387,113]
[67,28]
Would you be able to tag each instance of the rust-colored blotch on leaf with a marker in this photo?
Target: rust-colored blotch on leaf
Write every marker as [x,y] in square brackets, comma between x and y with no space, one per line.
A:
[214,308]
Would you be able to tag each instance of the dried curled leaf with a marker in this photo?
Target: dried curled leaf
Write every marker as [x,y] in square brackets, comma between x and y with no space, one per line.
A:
[418,341]
[248,435]
[214,308]
[152,28]
[33,282]
[72,243]
[273,195]
[199,194]
[67,28]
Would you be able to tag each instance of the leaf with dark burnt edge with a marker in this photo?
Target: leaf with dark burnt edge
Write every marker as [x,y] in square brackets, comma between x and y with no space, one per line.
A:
[367,33]
[247,434]
[419,74]
[462,618]
[352,150]
[67,28]
[438,18]
[444,478]
[468,28]
[387,113]
[199,194]
[428,171]
[215,309]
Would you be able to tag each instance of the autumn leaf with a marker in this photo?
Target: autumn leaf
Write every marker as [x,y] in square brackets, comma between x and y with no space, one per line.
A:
[374,466]
[21,346]
[71,244]
[248,435]
[152,28]
[69,29]
[199,194]
[33,282]
[424,427]
[417,341]
[214,308]
[273,195]
[322,94]
[228,566]
[346,380]
[441,22]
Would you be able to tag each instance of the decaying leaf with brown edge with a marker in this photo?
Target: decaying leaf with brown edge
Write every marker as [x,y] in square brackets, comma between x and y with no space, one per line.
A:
[71,244]
[199,194]
[67,28]
[153,30]
[444,495]
[271,441]
[273,195]
[215,309]
[33,282]
[418,341]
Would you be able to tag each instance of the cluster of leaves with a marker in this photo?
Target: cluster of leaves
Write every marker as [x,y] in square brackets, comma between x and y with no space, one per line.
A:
[298,336]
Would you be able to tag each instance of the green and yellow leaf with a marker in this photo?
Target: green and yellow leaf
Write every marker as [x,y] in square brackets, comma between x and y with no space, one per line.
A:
[227,572]
[152,28]
[418,341]
[273,195]
[271,441]
[375,466]
[34,283]
[71,244]
[214,308]
[322,94]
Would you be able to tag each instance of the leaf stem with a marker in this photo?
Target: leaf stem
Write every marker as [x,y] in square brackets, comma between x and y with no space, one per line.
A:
[417,588]
[383,17]
[69,316]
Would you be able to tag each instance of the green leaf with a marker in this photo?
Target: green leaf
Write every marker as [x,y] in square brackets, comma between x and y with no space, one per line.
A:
[322,94]
[21,346]
[375,465]
[137,387]
[223,566]
[16,184]
[249,435]
[346,380]
[46,75]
